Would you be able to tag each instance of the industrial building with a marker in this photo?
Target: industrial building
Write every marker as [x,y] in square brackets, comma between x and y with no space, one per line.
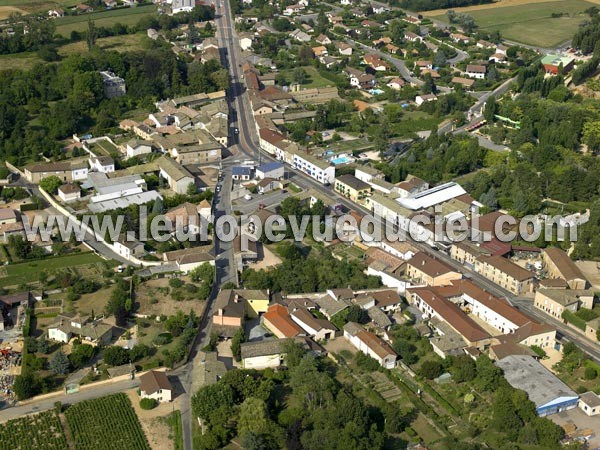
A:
[549,393]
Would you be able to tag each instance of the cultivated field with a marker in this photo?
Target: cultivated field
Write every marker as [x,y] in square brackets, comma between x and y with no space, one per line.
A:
[36,432]
[106,423]
[528,22]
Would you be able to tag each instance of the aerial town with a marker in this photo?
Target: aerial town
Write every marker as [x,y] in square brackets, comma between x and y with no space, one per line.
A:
[254,224]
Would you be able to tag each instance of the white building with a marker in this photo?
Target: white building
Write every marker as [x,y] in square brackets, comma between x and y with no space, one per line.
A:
[138,147]
[370,344]
[103,164]
[69,192]
[178,177]
[156,385]
[179,6]
[273,170]
[319,169]
[476,71]
[262,354]
[128,249]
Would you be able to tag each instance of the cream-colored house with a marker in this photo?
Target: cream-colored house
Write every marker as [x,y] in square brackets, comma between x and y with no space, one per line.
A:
[424,269]
[555,301]
[156,385]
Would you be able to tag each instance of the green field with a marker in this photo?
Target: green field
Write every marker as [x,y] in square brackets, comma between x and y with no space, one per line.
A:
[315,80]
[35,432]
[125,16]
[106,422]
[15,274]
[532,24]
[123,43]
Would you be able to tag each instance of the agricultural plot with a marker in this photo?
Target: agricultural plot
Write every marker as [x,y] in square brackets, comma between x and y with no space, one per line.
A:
[37,432]
[106,423]
[531,23]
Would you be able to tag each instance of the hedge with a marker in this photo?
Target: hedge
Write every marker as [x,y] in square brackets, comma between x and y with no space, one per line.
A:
[573,319]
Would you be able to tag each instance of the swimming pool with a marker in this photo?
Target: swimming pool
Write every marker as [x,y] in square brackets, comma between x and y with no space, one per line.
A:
[341,160]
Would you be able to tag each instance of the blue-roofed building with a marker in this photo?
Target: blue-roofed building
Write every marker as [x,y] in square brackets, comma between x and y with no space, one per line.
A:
[543,388]
[242,173]
[273,170]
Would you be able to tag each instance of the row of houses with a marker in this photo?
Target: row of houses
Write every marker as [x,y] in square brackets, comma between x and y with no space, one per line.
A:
[300,317]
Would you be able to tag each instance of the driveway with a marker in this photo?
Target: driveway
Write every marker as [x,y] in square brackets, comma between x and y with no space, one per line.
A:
[582,421]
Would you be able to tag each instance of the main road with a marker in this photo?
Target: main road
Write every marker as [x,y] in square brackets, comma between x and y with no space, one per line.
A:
[248,144]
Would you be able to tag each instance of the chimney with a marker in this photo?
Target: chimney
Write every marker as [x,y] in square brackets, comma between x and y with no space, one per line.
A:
[236,298]
[422,263]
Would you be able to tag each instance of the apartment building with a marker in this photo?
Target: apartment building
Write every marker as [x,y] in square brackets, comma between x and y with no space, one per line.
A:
[506,274]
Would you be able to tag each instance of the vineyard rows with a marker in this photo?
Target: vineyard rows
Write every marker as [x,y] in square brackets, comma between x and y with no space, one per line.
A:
[36,432]
[106,423]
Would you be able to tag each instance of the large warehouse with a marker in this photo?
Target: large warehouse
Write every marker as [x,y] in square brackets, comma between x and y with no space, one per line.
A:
[549,394]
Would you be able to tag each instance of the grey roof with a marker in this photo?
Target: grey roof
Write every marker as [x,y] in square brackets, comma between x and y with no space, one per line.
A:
[262,348]
[353,328]
[331,306]
[566,296]
[124,202]
[590,398]
[378,317]
[525,373]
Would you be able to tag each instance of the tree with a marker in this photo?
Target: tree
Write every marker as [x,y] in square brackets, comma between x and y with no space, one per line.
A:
[192,189]
[238,338]
[59,364]
[451,15]
[491,109]
[91,34]
[25,386]
[51,184]
[211,398]
[253,416]
[590,373]
[440,59]
[463,368]
[116,356]
[204,272]
[489,376]
[300,76]
[81,355]
[504,416]
[591,135]
[431,369]
[294,352]
[157,206]
[42,344]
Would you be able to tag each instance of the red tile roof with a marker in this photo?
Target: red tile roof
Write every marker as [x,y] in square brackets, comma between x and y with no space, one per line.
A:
[278,317]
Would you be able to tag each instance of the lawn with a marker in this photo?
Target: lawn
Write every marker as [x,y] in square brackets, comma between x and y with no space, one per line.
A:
[124,16]
[352,146]
[19,61]
[315,80]
[26,60]
[532,23]
[27,272]
[413,121]
[24,7]
[123,43]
